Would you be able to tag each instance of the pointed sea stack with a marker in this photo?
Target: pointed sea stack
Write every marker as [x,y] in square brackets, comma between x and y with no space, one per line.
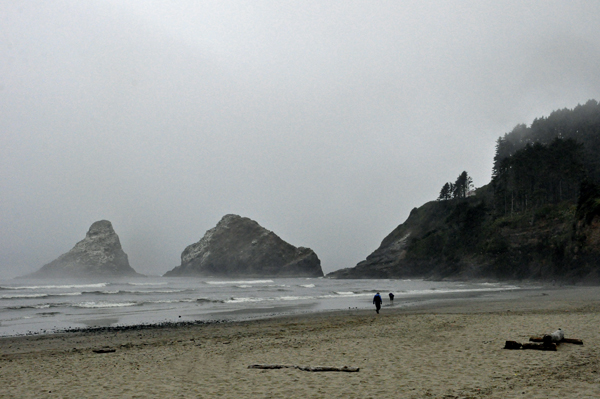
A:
[99,254]
[239,246]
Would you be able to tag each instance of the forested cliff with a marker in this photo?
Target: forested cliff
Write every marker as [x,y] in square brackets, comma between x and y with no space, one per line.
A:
[538,218]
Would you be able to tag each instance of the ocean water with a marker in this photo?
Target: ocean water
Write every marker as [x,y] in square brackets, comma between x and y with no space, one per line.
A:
[45,306]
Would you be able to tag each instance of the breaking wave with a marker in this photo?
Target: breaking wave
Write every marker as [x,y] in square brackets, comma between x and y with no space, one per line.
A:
[239,282]
[46,287]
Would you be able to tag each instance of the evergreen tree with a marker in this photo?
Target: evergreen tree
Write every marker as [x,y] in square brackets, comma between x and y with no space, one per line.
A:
[462,186]
[539,174]
[446,192]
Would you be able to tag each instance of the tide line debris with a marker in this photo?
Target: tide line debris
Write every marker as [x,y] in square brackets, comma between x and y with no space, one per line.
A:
[304,368]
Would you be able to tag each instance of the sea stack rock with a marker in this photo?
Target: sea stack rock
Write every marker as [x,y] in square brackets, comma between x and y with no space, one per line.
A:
[99,254]
[239,246]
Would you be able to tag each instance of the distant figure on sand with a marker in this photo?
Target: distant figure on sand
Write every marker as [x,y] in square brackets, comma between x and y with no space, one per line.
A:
[377,301]
[391,297]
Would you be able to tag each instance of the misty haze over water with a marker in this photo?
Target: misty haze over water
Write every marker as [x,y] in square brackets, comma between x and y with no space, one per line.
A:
[326,122]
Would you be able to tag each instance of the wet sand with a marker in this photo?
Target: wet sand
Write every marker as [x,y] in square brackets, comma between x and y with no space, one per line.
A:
[448,350]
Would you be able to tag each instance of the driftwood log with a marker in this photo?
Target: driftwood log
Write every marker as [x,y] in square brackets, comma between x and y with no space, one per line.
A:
[558,337]
[565,340]
[513,345]
[304,368]
[104,350]
[541,346]
[547,342]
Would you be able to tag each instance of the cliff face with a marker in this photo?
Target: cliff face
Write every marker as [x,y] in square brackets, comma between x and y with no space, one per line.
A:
[461,239]
[393,258]
[99,254]
[239,246]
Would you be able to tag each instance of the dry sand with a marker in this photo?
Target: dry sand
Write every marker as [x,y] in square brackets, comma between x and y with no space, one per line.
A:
[450,351]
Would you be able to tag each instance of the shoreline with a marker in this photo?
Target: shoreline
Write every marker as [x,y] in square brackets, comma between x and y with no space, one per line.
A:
[417,301]
[562,299]
[33,308]
[452,347]
[421,302]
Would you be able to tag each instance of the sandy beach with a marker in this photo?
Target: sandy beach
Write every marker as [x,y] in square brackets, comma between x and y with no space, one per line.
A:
[454,350]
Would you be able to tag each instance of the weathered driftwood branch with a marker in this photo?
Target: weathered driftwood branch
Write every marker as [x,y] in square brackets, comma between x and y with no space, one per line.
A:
[326,368]
[304,368]
[271,366]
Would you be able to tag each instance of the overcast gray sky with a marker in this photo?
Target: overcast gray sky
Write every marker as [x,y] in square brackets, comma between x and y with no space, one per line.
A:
[324,121]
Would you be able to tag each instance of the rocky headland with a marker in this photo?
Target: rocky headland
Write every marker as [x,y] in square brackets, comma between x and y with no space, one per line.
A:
[239,246]
[538,219]
[462,239]
[99,254]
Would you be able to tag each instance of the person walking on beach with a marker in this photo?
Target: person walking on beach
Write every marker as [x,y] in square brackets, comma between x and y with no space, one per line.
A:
[391,297]
[377,301]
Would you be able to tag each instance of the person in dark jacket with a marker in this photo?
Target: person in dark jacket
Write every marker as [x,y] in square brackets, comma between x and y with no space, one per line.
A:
[391,297]
[377,301]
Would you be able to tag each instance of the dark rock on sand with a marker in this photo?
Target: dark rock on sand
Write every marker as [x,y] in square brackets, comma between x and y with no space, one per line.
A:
[239,246]
[99,254]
